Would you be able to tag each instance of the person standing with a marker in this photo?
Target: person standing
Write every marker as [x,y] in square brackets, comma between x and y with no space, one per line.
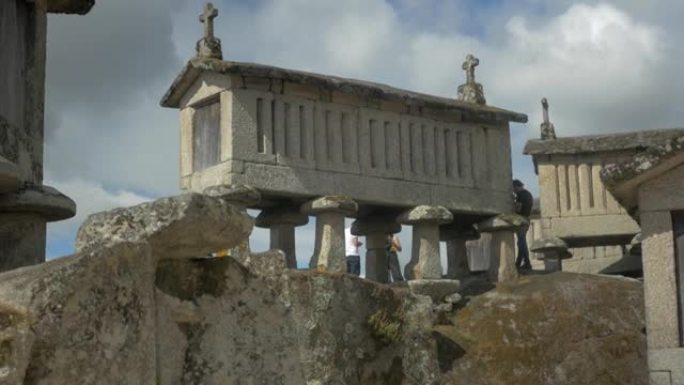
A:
[523,206]
[393,248]
[353,244]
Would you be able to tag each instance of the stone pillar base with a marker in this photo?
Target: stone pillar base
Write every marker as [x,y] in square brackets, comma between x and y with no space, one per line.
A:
[425,261]
[330,212]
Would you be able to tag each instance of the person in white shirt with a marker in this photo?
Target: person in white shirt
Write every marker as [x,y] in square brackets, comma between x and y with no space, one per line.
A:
[353,244]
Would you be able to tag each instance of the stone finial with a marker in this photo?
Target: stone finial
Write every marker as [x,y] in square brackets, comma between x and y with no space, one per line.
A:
[471,91]
[209,46]
[547,129]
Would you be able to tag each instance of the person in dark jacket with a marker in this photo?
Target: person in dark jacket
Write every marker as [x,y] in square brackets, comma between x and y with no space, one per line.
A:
[523,206]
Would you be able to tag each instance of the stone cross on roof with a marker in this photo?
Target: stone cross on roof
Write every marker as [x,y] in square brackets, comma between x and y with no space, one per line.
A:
[471,91]
[469,67]
[207,17]
[209,46]
[547,129]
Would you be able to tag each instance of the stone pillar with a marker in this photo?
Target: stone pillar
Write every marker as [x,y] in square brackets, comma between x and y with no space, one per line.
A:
[502,260]
[330,212]
[553,250]
[455,237]
[23,214]
[375,229]
[425,220]
[241,196]
[281,222]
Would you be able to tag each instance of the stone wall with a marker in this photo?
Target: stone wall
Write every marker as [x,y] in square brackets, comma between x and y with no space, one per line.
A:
[575,205]
[663,289]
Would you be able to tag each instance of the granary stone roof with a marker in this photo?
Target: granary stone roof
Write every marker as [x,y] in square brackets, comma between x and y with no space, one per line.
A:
[602,143]
[361,88]
[80,7]
[656,157]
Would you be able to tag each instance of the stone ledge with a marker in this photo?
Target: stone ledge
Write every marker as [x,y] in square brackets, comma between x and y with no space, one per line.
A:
[45,201]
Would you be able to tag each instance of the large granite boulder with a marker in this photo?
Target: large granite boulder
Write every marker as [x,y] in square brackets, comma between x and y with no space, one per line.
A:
[182,226]
[556,329]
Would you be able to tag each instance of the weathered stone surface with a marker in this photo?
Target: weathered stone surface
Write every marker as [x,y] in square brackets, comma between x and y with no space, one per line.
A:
[120,316]
[281,215]
[453,298]
[240,194]
[182,226]
[44,201]
[552,329]
[662,154]
[10,176]
[333,203]
[502,222]
[426,214]
[436,289]
[84,319]
[601,143]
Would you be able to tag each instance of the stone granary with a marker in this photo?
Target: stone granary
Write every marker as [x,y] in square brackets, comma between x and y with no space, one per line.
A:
[25,203]
[650,185]
[332,147]
[575,205]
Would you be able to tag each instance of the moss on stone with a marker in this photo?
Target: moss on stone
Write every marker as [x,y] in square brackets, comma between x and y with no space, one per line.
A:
[385,327]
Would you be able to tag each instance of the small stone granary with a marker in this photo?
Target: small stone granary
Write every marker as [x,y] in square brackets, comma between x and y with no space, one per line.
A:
[574,203]
[649,185]
[25,203]
[333,147]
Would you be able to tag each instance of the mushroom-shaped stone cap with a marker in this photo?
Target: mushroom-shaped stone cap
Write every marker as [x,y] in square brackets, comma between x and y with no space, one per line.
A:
[552,247]
[10,177]
[331,203]
[235,193]
[502,222]
[281,215]
[45,201]
[426,214]
[366,226]
[456,231]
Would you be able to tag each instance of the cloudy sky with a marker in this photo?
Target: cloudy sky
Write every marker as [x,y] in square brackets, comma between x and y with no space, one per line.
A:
[604,66]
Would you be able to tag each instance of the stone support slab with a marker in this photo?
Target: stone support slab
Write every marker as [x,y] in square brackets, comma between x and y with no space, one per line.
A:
[375,230]
[425,261]
[330,212]
[282,222]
